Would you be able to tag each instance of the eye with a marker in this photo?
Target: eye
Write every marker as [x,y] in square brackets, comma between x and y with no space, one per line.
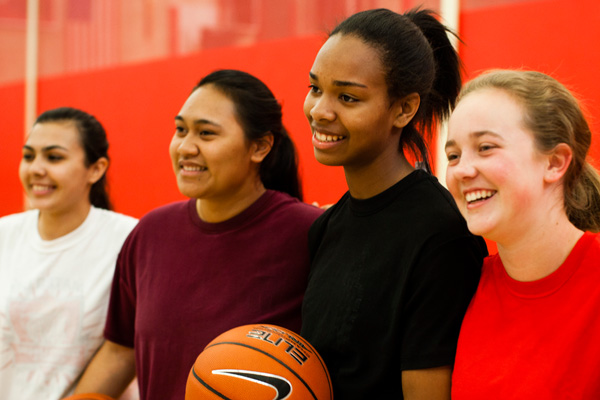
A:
[348,99]
[28,157]
[313,89]
[180,130]
[54,157]
[485,147]
[453,157]
[205,133]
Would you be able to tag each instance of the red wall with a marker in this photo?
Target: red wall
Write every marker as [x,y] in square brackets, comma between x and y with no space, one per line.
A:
[137,106]
[12,118]
[559,37]
[137,103]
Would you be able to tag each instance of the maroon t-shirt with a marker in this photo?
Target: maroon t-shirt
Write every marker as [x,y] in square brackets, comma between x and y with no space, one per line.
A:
[180,282]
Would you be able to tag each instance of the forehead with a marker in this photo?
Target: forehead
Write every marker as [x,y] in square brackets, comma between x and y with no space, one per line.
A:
[208,103]
[487,109]
[56,133]
[348,58]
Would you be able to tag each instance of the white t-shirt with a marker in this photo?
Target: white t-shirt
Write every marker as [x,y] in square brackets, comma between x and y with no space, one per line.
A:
[53,300]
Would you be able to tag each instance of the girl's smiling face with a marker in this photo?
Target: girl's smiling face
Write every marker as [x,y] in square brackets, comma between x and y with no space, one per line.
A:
[53,168]
[348,106]
[211,156]
[495,173]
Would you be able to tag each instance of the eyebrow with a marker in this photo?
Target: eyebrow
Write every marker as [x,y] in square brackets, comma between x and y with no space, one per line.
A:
[47,148]
[477,134]
[201,121]
[340,83]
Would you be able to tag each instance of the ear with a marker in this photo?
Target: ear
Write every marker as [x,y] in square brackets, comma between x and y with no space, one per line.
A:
[97,170]
[558,162]
[261,147]
[407,108]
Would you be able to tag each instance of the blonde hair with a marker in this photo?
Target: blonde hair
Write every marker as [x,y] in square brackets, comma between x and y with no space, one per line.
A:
[554,116]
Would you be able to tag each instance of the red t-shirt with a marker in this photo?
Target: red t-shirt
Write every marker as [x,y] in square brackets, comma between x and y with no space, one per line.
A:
[533,340]
[180,282]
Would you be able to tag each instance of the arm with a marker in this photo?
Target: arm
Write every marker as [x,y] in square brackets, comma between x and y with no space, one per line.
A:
[110,371]
[443,286]
[427,384]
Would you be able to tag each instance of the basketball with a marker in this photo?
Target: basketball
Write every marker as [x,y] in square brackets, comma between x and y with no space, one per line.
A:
[89,396]
[257,362]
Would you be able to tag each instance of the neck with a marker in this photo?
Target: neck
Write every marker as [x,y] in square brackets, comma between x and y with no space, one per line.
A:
[54,225]
[223,208]
[539,254]
[369,180]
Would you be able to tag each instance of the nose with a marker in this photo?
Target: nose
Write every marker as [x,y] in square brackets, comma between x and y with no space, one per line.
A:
[37,166]
[463,169]
[188,146]
[320,109]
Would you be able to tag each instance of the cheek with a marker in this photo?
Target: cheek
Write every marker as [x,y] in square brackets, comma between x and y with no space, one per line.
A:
[23,173]
[173,150]
[502,172]
[452,184]
[308,105]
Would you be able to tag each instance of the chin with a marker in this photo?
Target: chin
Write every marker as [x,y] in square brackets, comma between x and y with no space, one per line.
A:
[328,160]
[479,229]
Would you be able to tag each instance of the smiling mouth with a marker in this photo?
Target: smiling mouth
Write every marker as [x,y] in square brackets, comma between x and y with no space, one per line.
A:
[41,188]
[479,195]
[193,168]
[328,138]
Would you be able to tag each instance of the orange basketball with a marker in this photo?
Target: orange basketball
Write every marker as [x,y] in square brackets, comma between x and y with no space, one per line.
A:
[257,362]
[89,396]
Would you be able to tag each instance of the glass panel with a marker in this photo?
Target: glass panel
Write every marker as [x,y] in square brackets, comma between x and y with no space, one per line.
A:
[79,35]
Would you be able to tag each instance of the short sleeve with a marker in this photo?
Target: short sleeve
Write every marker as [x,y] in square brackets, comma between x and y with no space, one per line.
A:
[120,321]
[440,287]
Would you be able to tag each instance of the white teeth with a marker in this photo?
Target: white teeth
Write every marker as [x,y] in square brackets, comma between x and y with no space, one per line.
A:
[479,195]
[39,188]
[327,138]
[194,168]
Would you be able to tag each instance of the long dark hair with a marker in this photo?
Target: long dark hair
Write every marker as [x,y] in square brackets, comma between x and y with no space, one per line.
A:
[417,57]
[93,140]
[259,114]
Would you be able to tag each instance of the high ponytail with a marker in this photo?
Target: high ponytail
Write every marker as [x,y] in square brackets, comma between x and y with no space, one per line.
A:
[417,57]
[260,114]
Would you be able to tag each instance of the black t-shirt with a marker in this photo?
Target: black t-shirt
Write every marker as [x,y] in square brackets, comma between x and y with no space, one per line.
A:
[390,281]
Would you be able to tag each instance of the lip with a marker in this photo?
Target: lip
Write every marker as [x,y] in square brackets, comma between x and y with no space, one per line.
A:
[323,139]
[40,189]
[191,169]
[478,197]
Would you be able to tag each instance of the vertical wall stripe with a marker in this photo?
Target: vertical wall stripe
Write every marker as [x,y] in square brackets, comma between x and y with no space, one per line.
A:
[450,12]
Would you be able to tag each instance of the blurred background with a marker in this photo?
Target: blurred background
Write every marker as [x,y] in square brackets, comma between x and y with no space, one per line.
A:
[132,63]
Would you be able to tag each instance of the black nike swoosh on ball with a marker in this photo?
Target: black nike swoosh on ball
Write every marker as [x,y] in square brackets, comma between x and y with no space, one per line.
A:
[281,385]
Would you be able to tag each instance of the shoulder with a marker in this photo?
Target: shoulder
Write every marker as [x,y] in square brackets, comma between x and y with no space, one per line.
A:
[15,219]
[16,222]
[318,228]
[167,212]
[289,208]
[115,217]
[430,192]
[111,225]
[586,251]
[432,208]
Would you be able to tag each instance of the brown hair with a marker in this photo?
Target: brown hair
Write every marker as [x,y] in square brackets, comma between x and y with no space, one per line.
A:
[554,116]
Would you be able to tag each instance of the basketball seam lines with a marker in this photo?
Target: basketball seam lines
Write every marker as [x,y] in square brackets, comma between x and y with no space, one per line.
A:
[207,386]
[269,355]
